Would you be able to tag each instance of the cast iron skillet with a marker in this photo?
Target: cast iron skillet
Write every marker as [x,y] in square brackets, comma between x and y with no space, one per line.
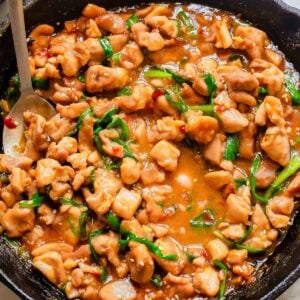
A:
[282,23]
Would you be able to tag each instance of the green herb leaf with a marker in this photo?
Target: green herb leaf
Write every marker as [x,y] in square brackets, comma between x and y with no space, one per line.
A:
[245,236]
[116,57]
[293,90]
[106,118]
[220,265]
[104,274]
[74,229]
[132,20]
[118,122]
[189,256]
[87,112]
[204,220]
[156,280]
[82,224]
[179,105]
[93,234]
[236,56]
[105,44]
[36,201]
[127,150]
[157,74]
[288,171]
[81,78]
[40,84]
[232,147]
[262,90]
[240,181]
[111,163]
[207,109]
[113,221]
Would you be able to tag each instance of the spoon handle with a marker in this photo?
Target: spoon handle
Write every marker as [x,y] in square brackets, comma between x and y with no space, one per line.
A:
[16,15]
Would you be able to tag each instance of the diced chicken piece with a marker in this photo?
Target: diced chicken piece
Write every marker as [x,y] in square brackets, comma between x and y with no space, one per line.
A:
[152,173]
[7,162]
[92,29]
[66,95]
[222,34]
[73,110]
[140,97]
[268,75]
[131,56]
[217,249]
[276,144]
[179,285]
[46,171]
[159,10]
[63,149]
[94,48]
[207,282]
[130,170]
[126,203]
[238,209]
[243,98]
[16,221]
[167,128]
[51,265]
[238,79]
[118,41]
[279,209]
[93,11]
[237,257]
[73,59]
[9,196]
[112,23]
[162,104]
[247,141]
[232,232]
[293,188]
[266,173]
[164,25]
[189,71]
[200,86]
[232,120]
[218,179]
[262,235]
[244,270]
[250,39]
[106,187]
[57,247]
[46,214]
[100,78]
[86,135]
[79,160]
[109,146]
[168,246]
[108,245]
[273,57]
[58,127]
[141,264]
[201,128]
[19,180]
[77,277]
[118,289]
[166,155]
[213,151]
[153,41]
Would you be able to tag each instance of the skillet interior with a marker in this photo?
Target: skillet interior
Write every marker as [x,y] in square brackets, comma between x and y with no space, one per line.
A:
[280,22]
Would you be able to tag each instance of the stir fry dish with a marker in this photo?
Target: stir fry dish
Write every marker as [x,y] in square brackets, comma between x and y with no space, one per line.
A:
[170,168]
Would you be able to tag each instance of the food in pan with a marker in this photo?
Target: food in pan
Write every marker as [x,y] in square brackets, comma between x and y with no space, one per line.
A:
[170,168]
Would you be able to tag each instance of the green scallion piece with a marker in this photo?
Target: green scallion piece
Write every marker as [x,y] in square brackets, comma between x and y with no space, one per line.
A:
[36,201]
[132,20]
[86,113]
[40,84]
[232,147]
[107,48]
[293,90]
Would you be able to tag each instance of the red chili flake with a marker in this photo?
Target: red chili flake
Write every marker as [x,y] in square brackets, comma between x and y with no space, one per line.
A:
[116,150]
[149,106]
[157,94]
[208,216]
[182,129]
[204,254]
[9,123]
[220,108]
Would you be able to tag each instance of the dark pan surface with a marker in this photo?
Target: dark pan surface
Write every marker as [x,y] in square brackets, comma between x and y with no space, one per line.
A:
[282,24]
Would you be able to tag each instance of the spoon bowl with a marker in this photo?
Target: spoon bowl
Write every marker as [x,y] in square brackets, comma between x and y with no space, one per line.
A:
[29,100]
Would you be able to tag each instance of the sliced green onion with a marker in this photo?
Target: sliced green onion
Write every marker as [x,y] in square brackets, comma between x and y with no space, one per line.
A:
[118,122]
[211,85]
[92,176]
[207,109]
[40,84]
[220,265]
[240,181]
[74,229]
[86,113]
[97,140]
[251,250]
[189,256]
[245,236]
[293,90]
[126,91]
[157,74]
[156,280]
[186,20]
[252,179]
[132,20]
[82,224]
[291,169]
[127,150]
[111,163]
[107,48]
[116,57]
[104,274]
[113,221]
[123,243]
[81,78]
[106,118]
[236,56]
[232,147]
[92,250]
[179,105]
[68,201]
[151,246]
[36,201]
[204,220]
[262,90]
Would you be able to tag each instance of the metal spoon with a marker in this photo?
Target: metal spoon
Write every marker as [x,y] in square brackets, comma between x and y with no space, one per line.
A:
[29,100]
